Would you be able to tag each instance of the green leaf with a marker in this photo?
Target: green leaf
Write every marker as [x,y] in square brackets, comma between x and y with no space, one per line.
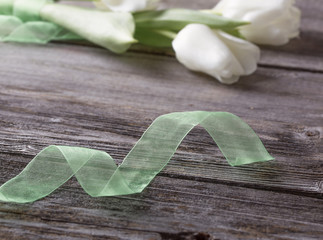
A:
[154,38]
[235,32]
[111,30]
[176,19]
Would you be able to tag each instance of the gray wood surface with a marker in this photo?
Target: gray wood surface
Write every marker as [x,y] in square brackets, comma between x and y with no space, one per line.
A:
[78,94]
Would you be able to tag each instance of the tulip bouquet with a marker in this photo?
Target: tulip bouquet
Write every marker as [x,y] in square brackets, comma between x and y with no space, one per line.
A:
[219,42]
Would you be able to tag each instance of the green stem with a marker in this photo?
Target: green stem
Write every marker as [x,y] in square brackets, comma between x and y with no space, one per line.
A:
[169,34]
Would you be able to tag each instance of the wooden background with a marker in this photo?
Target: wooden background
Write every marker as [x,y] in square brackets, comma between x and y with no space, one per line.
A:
[72,94]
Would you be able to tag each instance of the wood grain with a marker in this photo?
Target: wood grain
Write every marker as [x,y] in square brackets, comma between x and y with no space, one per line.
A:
[69,94]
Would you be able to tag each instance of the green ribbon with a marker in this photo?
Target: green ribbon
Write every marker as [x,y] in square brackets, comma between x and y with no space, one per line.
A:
[20,21]
[28,10]
[98,174]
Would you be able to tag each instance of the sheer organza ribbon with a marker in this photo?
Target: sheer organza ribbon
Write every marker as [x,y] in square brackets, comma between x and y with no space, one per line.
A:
[99,175]
[20,21]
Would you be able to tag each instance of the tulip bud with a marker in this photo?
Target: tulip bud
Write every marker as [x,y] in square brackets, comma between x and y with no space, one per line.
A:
[216,53]
[126,5]
[272,22]
[110,30]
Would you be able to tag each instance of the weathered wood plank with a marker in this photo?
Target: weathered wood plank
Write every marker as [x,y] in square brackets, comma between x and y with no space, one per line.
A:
[165,210]
[86,96]
[106,102]
[96,99]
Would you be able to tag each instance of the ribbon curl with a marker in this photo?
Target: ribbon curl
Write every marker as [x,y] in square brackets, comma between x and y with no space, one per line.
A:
[98,174]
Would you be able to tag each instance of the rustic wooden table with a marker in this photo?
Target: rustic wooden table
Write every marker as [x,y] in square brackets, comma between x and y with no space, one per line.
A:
[72,94]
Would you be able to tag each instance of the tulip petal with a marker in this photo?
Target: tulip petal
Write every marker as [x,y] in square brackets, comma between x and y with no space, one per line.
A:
[230,80]
[246,53]
[273,22]
[211,55]
[215,53]
[110,30]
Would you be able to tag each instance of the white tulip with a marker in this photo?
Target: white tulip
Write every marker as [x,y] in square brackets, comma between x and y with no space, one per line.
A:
[126,5]
[273,22]
[216,53]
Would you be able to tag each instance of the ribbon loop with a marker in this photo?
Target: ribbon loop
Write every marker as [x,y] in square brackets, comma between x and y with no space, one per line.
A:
[98,174]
